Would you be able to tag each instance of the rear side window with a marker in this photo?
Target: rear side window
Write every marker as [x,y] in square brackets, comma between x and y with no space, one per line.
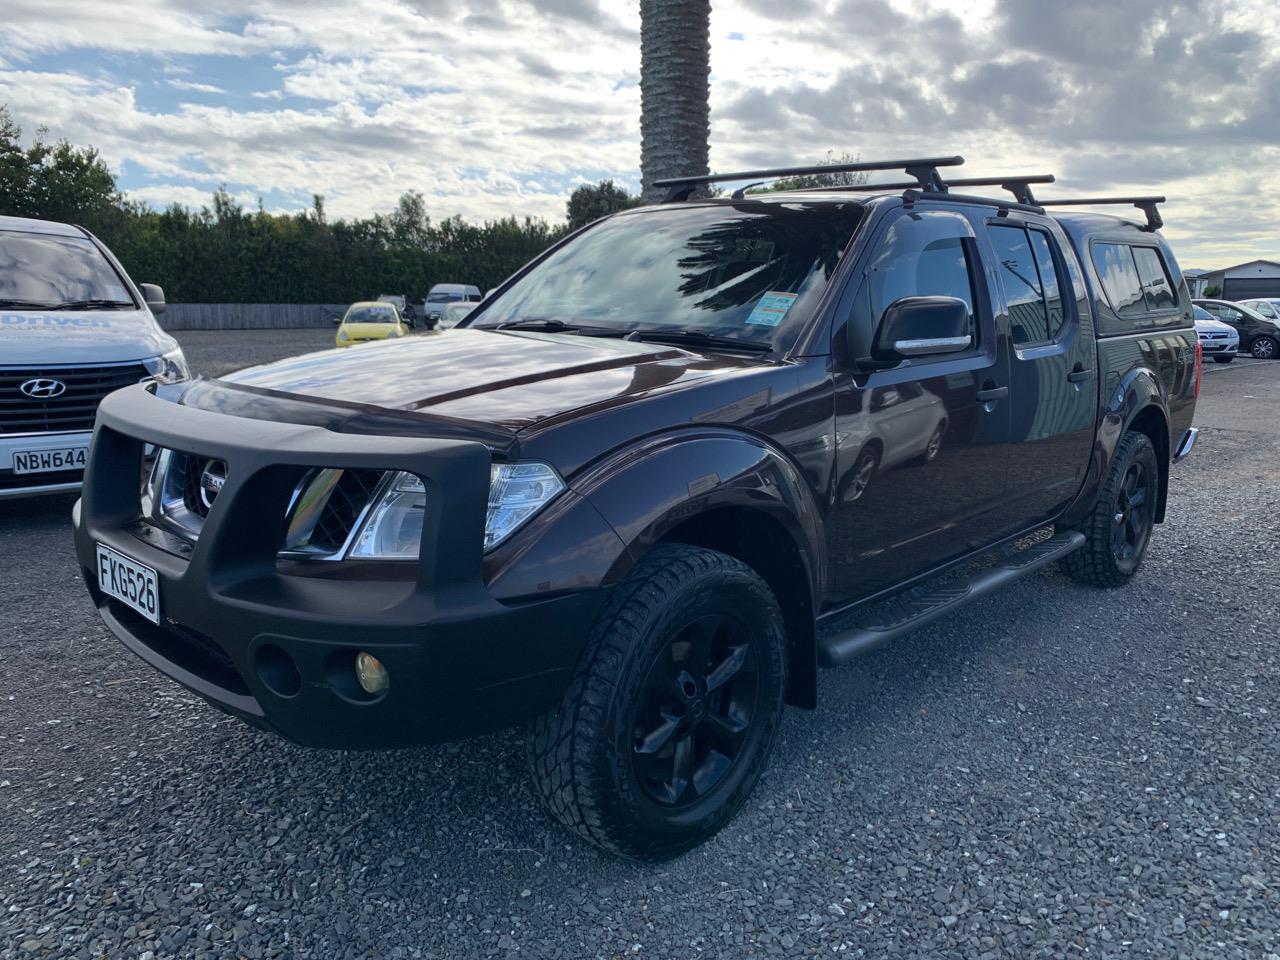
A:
[1157,291]
[1033,286]
[1119,276]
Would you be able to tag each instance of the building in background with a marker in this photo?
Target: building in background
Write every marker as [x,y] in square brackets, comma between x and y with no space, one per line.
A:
[1244,281]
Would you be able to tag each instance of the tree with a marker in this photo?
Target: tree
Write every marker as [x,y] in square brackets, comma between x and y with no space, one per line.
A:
[675,90]
[818,180]
[54,181]
[588,202]
[1212,293]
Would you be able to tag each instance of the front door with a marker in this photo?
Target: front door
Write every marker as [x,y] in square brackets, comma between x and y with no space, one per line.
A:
[921,449]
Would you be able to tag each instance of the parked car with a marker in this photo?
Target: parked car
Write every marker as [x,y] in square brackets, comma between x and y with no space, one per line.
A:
[402,305]
[1217,339]
[370,320]
[1269,308]
[1259,336]
[73,327]
[443,293]
[606,504]
[454,313]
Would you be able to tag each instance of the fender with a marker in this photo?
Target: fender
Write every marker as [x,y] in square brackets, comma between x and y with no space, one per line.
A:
[1127,397]
[647,490]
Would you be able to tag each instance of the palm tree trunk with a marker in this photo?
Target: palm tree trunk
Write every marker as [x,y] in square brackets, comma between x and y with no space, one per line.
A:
[675,89]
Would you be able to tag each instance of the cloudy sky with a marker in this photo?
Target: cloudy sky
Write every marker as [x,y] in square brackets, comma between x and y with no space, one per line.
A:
[494,107]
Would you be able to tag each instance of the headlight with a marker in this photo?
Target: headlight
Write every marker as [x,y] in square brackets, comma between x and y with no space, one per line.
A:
[343,335]
[393,528]
[169,368]
[516,492]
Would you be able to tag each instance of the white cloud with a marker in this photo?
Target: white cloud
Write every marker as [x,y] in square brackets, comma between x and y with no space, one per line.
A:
[193,86]
[495,107]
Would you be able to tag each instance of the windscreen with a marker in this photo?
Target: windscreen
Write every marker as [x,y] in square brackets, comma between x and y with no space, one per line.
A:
[443,297]
[371,315]
[40,271]
[751,271]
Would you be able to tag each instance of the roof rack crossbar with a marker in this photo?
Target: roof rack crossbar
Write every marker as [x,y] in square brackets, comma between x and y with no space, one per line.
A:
[1146,204]
[924,169]
[1019,186]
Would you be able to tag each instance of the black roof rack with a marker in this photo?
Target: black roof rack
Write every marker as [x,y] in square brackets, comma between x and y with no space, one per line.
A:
[1146,204]
[1019,186]
[924,169]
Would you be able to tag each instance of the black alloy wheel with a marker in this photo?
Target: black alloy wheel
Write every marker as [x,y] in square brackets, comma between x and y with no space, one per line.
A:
[1131,520]
[695,709]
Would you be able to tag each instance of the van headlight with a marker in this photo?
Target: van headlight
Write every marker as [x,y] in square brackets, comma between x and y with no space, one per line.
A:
[169,367]
[393,528]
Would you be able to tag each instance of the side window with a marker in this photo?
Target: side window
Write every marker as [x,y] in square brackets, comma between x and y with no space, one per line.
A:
[1021,281]
[1050,281]
[921,254]
[1119,275]
[1157,291]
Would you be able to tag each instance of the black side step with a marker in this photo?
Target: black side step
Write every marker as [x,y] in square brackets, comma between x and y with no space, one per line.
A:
[928,605]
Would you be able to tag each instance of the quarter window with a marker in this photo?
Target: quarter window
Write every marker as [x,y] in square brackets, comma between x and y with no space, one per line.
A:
[1051,282]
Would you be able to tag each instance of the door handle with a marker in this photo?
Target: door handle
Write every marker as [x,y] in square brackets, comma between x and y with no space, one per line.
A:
[992,393]
[1079,374]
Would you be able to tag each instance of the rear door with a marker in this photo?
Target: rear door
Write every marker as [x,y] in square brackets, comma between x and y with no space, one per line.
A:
[921,449]
[1053,378]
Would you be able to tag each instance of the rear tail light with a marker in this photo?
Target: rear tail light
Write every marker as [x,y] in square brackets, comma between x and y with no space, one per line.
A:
[1199,367]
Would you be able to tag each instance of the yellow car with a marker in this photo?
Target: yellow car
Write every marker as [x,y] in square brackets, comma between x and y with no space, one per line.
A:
[370,320]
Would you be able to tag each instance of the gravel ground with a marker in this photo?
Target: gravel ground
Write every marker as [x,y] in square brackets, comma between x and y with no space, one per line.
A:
[1053,772]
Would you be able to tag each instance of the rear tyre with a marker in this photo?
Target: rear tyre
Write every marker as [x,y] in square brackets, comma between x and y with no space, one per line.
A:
[1223,359]
[1265,348]
[669,718]
[1118,529]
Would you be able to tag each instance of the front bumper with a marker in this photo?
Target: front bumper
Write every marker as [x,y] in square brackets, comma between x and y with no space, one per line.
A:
[275,645]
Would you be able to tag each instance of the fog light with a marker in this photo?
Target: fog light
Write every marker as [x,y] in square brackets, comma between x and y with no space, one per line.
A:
[371,673]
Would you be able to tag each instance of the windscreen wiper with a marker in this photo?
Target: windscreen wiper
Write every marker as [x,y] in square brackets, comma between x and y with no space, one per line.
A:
[27,304]
[95,303]
[702,339]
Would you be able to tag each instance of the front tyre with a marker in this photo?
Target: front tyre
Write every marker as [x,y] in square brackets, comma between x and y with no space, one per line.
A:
[1118,529]
[669,718]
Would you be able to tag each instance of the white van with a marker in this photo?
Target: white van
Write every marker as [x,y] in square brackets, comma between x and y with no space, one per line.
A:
[73,327]
[443,293]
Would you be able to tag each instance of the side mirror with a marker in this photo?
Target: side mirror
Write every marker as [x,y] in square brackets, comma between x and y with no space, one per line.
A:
[922,327]
[154,296]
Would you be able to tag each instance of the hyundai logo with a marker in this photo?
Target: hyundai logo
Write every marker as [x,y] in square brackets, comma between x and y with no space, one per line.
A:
[43,388]
[211,482]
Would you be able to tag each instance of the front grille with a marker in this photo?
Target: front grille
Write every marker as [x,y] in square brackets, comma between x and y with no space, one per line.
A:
[351,494]
[73,409]
[190,476]
[326,508]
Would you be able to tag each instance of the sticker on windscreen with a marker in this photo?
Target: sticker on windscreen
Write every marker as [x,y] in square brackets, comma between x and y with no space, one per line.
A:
[771,308]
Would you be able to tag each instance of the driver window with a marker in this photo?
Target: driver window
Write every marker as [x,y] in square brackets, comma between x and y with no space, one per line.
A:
[921,254]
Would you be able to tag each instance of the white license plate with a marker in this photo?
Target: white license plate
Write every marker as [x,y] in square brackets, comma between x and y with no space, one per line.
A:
[47,461]
[132,583]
